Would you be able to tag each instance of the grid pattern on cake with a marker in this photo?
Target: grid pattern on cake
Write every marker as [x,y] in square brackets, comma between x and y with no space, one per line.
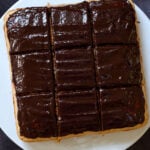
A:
[76,68]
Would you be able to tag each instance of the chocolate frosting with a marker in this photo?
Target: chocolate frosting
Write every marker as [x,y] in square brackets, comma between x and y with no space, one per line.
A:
[74,69]
[122,107]
[113,22]
[70,26]
[118,65]
[83,68]
[32,72]
[28,30]
[77,111]
[36,115]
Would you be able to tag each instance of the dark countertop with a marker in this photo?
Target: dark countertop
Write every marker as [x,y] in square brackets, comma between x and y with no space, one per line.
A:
[142,144]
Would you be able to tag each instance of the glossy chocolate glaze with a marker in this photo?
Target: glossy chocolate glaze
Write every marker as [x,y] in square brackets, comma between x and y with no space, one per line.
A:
[77,111]
[74,69]
[118,65]
[32,72]
[70,26]
[28,30]
[122,107]
[113,22]
[36,115]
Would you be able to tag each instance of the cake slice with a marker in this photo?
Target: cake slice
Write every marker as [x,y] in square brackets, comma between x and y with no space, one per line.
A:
[32,72]
[74,69]
[36,116]
[118,65]
[70,26]
[28,30]
[77,112]
[113,22]
[122,107]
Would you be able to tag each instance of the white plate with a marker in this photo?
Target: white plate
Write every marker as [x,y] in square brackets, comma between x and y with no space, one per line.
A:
[113,141]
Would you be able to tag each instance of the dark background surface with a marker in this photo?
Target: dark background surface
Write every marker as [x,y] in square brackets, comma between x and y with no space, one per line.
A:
[142,144]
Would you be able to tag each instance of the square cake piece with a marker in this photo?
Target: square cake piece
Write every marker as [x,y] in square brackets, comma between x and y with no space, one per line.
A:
[74,69]
[77,111]
[122,107]
[113,22]
[32,72]
[36,115]
[118,65]
[70,26]
[28,30]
